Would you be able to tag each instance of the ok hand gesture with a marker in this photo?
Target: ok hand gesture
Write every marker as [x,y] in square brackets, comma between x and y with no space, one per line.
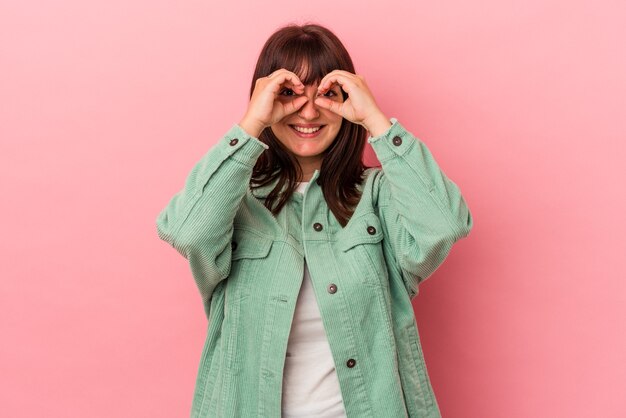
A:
[359,108]
[264,109]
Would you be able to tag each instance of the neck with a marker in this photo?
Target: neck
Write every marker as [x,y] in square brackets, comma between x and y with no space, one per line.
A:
[308,168]
[307,176]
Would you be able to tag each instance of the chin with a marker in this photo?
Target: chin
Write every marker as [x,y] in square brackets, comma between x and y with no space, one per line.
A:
[309,153]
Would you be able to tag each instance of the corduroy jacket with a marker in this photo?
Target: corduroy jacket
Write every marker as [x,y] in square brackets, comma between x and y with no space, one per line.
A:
[248,266]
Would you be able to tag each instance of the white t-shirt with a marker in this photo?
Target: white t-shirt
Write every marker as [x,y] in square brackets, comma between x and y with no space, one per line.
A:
[310,384]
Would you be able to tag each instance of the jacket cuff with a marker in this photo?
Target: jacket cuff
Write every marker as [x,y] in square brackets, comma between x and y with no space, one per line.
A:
[396,140]
[241,146]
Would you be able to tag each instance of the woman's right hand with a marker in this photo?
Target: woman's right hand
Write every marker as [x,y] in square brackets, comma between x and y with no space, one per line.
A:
[264,109]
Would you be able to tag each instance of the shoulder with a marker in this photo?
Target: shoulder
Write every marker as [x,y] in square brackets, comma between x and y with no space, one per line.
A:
[375,189]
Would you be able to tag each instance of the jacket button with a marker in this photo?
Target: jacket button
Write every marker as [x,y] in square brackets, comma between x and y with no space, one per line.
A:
[397,141]
[350,363]
[332,288]
[233,245]
[233,141]
[318,226]
[371,230]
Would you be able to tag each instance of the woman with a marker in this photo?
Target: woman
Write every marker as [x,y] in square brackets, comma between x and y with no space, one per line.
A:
[307,260]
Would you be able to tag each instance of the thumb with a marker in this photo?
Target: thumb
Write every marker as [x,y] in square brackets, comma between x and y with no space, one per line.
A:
[328,104]
[295,104]
[323,102]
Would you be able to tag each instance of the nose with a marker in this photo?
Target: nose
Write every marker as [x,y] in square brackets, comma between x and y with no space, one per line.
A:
[309,110]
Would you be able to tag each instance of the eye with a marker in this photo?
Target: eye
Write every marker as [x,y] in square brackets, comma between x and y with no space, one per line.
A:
[331,92]
[286,90]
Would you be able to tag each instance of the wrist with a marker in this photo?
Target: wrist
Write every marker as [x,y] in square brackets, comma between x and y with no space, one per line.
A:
[253,129]
[378,124]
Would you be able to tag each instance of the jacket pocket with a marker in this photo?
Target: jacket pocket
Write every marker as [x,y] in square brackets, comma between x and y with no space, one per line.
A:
[249,251]
[248,244]
[362,245]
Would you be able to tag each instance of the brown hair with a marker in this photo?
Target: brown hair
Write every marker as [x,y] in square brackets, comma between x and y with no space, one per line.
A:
[310,51]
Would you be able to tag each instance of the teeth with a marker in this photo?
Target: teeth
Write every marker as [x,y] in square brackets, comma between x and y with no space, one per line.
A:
[306,130]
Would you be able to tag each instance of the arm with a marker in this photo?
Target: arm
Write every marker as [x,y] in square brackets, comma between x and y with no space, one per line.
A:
[198,220]
[422,211]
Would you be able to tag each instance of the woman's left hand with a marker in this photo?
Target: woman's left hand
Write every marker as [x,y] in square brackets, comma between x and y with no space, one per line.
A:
[359,108]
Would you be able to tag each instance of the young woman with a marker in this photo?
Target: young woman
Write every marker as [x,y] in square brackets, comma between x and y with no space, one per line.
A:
[307,260]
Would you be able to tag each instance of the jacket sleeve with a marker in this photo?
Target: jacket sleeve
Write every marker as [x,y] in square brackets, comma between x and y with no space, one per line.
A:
[422,211]
[198,220]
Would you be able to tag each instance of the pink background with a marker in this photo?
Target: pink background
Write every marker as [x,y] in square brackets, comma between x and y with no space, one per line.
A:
[106,106]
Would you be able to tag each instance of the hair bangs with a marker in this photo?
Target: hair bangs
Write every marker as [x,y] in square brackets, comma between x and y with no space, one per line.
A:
[308,59]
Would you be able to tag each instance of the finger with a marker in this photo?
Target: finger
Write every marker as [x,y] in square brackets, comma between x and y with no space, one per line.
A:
[284,74]
[278,71]
[294,80]
[333,73]
[346,83]
[297,87]
[331,105]
[294,105]
[286,78]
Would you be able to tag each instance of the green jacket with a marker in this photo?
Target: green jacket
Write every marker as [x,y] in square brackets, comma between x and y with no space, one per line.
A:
[248,266]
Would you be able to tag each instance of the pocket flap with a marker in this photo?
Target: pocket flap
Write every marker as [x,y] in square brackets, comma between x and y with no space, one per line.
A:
[248,244]
[366,229]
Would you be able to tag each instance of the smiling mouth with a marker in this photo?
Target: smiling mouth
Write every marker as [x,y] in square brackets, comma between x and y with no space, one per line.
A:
[307,131]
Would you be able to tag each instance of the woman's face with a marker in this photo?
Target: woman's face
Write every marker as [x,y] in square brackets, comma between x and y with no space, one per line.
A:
[320,127]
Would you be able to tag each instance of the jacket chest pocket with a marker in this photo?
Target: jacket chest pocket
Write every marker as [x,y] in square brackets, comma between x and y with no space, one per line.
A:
[249,252]
[362,246]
